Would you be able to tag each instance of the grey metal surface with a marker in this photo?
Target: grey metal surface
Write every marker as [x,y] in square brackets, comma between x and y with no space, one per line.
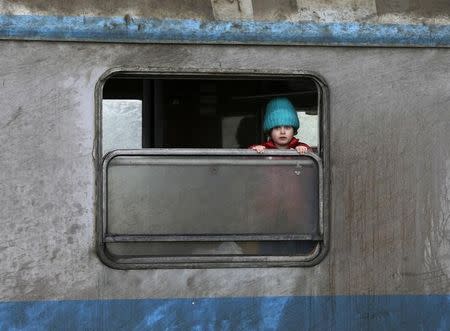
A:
[389,163]
[418,11]
[153,8]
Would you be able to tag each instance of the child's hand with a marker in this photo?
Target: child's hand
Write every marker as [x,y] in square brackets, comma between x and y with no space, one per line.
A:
[259,148]
[301,149]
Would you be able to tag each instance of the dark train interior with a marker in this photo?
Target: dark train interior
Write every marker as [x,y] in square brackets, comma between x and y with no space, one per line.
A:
[193,112]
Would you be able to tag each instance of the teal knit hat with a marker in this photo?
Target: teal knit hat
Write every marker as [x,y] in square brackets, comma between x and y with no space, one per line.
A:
[280,112]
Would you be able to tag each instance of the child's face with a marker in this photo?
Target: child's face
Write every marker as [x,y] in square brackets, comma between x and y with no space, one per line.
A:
[282,135]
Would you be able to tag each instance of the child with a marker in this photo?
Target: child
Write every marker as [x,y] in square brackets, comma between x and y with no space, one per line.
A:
[281,124]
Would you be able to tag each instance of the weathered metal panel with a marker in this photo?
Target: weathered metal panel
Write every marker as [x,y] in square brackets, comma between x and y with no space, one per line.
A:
[143,30]
[374,11]
[390,171]
[200,9]
[316,313]
[274,10]
[427,8]
[340,11]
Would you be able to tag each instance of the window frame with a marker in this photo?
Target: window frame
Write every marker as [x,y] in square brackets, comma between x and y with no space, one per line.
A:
[217,261]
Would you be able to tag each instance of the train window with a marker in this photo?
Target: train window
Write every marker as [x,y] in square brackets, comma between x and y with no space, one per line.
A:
[179,186]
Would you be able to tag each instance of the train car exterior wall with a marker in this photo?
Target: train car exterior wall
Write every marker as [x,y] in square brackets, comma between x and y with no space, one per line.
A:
[388,265]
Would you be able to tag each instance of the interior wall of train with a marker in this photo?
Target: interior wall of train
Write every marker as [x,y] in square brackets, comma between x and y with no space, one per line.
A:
[369,80]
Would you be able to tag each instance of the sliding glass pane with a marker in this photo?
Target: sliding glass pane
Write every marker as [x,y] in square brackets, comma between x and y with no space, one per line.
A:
[213,195]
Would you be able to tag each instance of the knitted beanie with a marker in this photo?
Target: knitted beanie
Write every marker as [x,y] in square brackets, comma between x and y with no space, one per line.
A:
[280,112]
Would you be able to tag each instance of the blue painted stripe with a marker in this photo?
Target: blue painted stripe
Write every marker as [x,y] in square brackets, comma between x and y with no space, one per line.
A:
[414,312]
[145,30]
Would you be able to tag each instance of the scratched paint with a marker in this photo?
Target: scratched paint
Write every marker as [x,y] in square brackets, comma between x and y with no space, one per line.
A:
[257,313]
[145,30]
[389,128]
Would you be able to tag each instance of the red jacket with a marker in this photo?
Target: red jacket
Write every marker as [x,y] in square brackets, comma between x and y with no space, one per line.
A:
[292,144]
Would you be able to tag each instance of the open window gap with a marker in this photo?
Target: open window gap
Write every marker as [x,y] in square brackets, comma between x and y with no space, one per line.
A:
[186,112]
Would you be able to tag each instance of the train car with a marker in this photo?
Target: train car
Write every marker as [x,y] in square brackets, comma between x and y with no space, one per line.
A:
[131,201]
